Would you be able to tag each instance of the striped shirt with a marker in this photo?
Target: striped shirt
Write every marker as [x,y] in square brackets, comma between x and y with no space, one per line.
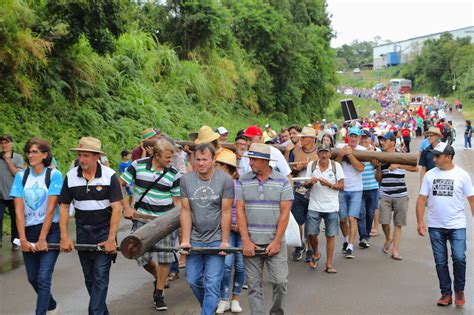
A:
[368,177]
[159,198]
[393,182]
[262,203]
[93,199]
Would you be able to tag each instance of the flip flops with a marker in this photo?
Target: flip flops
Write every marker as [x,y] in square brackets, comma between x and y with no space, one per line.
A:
[330,270]
[386,250]
[396,257]
[313,264]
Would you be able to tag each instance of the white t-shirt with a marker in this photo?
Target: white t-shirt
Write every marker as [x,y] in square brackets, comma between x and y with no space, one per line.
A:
[280,164]
[323,198]
[353,178]
[446,192]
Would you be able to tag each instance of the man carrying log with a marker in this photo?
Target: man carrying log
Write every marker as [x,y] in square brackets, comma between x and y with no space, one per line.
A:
[207,195]
[156,191]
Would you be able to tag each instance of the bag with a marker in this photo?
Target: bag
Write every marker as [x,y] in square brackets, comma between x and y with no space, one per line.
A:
[137,204]
[47,178]
[292,233]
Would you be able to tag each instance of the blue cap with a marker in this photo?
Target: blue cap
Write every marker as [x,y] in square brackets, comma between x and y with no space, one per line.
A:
[355,131]
[389,136]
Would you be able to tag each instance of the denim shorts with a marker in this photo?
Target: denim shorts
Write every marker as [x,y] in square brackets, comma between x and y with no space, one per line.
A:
[331,222]
[299,208]
[349,204]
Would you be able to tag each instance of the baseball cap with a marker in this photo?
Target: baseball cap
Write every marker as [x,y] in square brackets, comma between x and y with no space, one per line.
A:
[252,131]
[222,130]
[389,136]
[267,126]
[324,147]
[443,148]
[6,137]
[355,131]
[366,133]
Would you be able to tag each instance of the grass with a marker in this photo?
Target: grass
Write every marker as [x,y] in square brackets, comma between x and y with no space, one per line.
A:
[6,224]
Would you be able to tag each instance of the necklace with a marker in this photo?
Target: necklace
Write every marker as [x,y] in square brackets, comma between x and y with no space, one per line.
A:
[204,191]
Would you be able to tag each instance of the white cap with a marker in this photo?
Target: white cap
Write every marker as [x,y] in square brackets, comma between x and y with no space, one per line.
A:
[222,130]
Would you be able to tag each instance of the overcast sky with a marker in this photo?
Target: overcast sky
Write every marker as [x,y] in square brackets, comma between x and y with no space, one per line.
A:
[396,20]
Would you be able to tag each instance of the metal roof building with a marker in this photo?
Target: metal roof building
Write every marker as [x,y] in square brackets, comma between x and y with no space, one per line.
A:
[383,55]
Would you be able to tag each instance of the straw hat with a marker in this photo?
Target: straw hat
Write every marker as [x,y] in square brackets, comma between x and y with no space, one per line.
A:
[206,135]
[148,132]
[259,151]
[307,132]
[433,130]
[89,144]
[227,157]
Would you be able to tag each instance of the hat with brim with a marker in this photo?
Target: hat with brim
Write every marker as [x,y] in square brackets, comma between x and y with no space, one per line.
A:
[355,131]
[89,144]
[6,138]
[193,136]
[227,157]
[443,148]
[206,135]
[324,147]
[433,130]
[259,151]
[307,132]
[148,133]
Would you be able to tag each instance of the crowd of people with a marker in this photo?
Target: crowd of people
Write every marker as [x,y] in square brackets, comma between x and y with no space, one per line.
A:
[241,198]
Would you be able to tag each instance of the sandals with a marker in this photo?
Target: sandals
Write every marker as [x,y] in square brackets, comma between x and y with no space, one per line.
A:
[330,270]
[313,264]
[386,250]
[396,257]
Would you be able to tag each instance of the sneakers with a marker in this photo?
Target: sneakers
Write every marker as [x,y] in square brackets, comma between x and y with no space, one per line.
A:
[298,253]
[223,307]
[235,307]
[56,311]
[344,247]
[459,299]
[364,244]
[15,248]
[245,286]
[445,300]
[309,254]
[159,302]
[349,254]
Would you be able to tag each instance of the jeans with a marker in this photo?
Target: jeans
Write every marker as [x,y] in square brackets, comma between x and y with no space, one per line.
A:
[367,209]
[467,141]
[174,266]
[11,210]
[457,239]
[236,259]
[349,204]
[40,266]
[95,267]
[204,275]
[278,271]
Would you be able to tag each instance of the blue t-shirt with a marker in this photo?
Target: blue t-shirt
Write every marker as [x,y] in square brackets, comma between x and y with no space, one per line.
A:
[35,194]
[424,144]
[123,166]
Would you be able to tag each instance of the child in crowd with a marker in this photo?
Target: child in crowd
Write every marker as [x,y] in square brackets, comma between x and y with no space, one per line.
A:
[124,164]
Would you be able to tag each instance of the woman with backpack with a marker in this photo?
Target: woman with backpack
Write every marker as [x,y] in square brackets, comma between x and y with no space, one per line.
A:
[35,192]
[468,135]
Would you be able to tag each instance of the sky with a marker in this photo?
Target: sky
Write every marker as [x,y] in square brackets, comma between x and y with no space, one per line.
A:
[396,20]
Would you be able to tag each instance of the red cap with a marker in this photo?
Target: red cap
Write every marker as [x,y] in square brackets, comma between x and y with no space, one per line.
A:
[252,131]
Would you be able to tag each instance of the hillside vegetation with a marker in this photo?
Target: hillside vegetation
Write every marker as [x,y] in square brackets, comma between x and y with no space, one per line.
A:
[109,69]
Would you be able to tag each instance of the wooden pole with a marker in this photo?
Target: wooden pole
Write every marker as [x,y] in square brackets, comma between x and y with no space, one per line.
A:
[144,238]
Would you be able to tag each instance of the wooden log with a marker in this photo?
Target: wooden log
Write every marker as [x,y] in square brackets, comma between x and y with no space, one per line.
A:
[144,238]
[384,157]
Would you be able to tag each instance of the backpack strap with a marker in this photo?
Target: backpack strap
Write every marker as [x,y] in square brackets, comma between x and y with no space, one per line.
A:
[47,179]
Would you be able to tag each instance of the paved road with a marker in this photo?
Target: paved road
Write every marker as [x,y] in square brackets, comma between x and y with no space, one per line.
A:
[370,284]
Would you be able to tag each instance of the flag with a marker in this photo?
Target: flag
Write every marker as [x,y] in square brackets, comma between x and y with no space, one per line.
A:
[420,112]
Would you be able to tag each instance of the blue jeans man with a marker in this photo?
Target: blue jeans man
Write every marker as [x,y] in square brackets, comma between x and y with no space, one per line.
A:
[439,238]
[204,275]
[95,267]
[368,205]
[232,260]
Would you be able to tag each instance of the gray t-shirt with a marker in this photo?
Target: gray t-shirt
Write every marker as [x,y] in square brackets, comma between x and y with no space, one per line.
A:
[6,177]
[205,200]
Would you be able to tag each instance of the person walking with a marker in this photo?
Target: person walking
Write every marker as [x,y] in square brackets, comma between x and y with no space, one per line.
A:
[10,164]
[444,190]
[206,215]
[157,191]
[264,198]
[227,162]
[327,179]
[467,135]
[426,160]
[35,192]
[96,193]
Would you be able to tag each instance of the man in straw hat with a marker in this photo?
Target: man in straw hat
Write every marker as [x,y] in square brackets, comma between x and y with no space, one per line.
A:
[140,152]
[206,209]
[264,198]
[299,160]
[207,135]
[433,134]
[96,192]
[163,197]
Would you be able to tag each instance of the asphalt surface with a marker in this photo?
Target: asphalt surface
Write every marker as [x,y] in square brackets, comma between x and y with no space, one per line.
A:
[372,283]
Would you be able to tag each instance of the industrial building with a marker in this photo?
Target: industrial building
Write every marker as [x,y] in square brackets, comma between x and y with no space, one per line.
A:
[395,53]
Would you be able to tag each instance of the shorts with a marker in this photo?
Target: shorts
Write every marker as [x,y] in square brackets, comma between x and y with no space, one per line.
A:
[399,207]
[161,257]
[349,204]
[331,223]
[299,208]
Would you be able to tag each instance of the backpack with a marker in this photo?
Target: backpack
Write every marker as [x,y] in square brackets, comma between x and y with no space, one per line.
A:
[47,180]
[333,166]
